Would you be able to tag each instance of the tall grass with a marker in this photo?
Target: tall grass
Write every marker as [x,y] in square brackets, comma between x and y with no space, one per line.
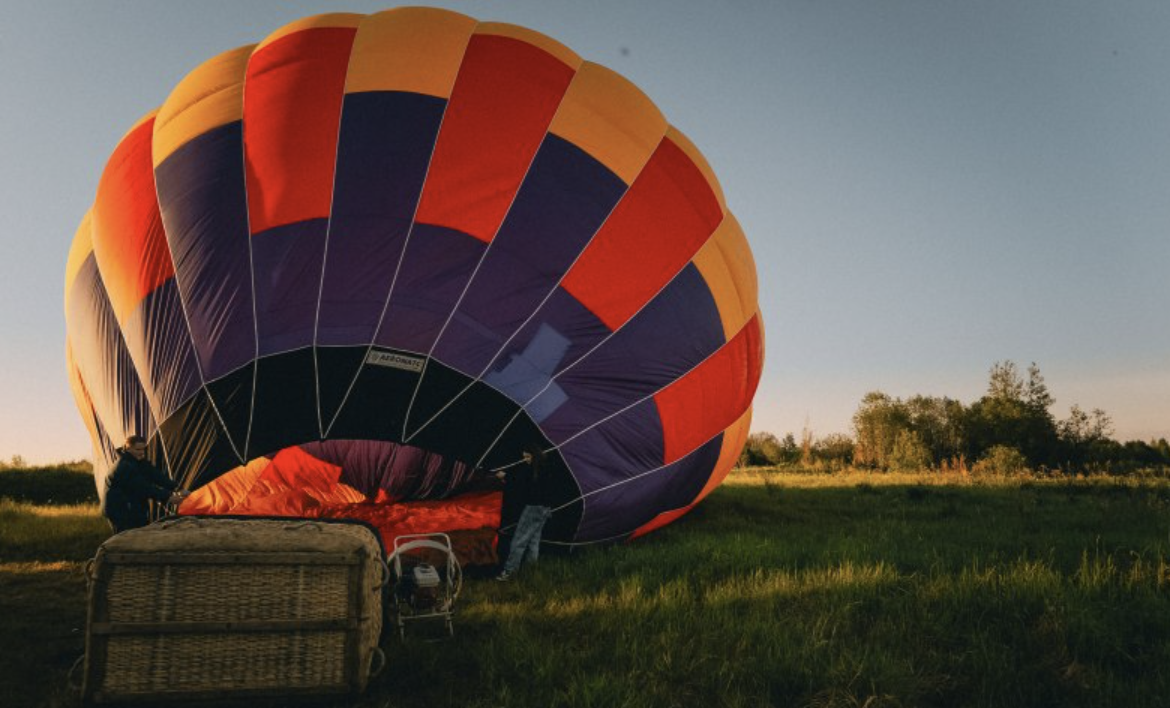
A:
[779,590]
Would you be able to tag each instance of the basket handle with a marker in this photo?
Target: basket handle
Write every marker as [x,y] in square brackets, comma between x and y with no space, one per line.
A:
[385,569]
[71,678]
[377,662]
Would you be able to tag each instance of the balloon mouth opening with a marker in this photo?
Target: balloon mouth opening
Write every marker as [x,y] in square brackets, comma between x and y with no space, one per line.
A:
[396,488]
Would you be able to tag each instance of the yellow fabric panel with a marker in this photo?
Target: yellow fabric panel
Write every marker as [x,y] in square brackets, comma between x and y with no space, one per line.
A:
[80,249]
[692,152]
[210,96]
[80,394]
[738,255]
[732,288]
[332,19]
[611,119]
[536,39]
[733,441]
[414,49]
[85,408]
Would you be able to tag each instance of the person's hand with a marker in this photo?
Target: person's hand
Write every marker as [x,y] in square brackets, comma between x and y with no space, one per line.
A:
[500,476]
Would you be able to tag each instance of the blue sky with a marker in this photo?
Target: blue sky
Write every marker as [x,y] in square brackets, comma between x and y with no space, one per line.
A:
[928,186]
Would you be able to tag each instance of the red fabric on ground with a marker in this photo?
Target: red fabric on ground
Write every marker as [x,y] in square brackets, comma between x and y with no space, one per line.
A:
[295,483]
[471,520]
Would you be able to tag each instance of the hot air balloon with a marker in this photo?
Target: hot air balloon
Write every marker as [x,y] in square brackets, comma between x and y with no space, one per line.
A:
[352,269]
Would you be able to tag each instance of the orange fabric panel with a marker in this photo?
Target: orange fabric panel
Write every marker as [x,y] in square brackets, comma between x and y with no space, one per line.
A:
[292,114]
[610,119]
[742,266]
[503,101]
[733,441]
[210,96]
[663,220]
[128,238]
[414,49]
[711,396]
[225,492]
[293,483]
[734,438]
[726,264]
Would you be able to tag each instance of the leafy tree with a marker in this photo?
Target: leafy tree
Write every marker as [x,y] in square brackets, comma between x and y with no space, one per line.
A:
[761,450]
[835,448]
[878,421]
[1085,440]
[789,450]
[1004,382]
[909,452]
[939,424]
[1036,391]
[1013,413]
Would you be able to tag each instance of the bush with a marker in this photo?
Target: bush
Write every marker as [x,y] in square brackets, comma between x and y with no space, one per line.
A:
[1002,460]
[70,483]
[835,449]
[766,450]
[909,452]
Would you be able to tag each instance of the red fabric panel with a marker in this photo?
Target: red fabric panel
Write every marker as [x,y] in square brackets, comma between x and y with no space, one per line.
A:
[128,238]
[663,519]
[668,213]
[295,483]
[711,396]
[471,521]
[292,112]
[503,101]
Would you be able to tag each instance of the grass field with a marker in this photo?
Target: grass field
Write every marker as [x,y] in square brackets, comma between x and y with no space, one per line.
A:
[779,590]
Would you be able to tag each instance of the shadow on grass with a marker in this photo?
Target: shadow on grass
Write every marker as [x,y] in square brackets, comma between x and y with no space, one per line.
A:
[829,596]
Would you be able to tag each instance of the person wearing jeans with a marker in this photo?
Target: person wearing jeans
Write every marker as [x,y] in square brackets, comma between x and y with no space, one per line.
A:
[526,482]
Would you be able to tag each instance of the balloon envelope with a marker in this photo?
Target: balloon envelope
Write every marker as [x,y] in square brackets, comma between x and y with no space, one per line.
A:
[373,258]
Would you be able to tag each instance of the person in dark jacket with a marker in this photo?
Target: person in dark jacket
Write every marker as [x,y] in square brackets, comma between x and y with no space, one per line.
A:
[527,483]
[131,486]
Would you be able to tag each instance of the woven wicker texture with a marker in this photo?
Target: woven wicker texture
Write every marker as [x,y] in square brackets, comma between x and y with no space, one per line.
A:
[291,602]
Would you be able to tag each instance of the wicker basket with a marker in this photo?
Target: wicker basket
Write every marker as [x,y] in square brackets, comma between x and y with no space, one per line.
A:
[201,608]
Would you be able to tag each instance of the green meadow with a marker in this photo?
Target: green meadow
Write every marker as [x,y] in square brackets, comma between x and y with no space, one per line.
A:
[781,589]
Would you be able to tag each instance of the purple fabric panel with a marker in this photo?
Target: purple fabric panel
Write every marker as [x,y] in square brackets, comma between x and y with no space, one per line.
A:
[383,151]
[156,333]
[529,373]
[105,454]
[436,267]
[565,197]
[624,446]
[120,404]
[402,471]
[561,316]
[622,509]
[204,209]
[675,332]
[286,262]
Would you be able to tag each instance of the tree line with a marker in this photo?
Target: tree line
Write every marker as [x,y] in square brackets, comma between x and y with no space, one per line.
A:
[1010,429]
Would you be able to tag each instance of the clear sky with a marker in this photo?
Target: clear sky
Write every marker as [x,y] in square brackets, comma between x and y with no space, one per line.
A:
[928,186]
